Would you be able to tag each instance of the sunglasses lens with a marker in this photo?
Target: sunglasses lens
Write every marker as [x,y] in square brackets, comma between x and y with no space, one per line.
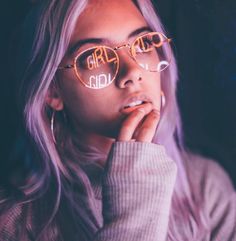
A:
[97,67]
[152,52]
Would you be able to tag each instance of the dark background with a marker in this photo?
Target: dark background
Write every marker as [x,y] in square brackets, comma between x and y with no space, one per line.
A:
[204,33]
[204,36]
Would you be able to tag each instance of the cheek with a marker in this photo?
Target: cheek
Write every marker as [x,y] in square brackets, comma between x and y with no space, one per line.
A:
[153,86]
[82,111]
[85,106]
[79,104]
[72,91]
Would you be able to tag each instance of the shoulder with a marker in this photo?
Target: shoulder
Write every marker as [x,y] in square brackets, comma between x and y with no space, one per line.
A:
[207,174]
[211,184]
[11,217]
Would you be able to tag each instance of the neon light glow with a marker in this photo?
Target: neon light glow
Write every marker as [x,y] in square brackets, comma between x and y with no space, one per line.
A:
[99,81]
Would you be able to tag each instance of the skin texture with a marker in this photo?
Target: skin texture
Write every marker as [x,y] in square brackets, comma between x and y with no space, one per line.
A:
[96,114]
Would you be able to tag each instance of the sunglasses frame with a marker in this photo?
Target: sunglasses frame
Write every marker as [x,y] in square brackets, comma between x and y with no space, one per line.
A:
[114,50]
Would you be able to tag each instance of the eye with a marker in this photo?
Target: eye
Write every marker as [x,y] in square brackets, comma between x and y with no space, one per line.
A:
[84,60]
[87,60]
[147,44]
[157,40]
[90,60]
[143,44]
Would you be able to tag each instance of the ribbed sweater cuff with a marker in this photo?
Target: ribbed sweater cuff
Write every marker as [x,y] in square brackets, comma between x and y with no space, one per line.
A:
[132,156]
[137,190]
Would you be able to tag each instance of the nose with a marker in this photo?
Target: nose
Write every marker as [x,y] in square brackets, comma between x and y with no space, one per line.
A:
[130,73]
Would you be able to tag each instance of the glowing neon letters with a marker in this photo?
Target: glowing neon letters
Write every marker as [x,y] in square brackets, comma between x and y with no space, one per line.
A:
[99,81]
[147,45]
[99,57]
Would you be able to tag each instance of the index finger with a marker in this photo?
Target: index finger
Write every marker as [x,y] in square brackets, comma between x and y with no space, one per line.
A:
[130,124]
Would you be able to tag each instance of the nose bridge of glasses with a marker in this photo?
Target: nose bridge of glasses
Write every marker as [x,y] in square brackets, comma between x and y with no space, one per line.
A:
[120,47]
[128,65]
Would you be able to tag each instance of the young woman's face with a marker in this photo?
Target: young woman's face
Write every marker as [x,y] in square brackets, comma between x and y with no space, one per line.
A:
[101,111]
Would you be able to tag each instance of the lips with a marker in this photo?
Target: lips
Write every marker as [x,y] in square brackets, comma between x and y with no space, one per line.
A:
[134,102]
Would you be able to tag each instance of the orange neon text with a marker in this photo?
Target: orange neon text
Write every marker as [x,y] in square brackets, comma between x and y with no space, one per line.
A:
[99,57]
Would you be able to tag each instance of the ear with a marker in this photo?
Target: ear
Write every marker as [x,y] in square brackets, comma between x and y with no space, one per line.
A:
[53,98]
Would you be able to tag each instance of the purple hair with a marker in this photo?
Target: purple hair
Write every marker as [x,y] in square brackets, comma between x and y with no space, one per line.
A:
[45,38]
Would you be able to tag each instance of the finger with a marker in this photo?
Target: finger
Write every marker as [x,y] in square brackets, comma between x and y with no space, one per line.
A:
[147,127]
[147,131]
[130,124]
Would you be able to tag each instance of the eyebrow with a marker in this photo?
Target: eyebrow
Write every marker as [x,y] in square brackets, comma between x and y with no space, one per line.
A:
[80,43]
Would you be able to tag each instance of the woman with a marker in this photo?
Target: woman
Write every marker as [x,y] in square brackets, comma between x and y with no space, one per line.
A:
[107,158]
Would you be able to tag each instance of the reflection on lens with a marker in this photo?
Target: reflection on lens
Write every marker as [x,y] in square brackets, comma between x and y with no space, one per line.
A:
[99,81]
[97,67]
[157,40]
[162,65]
[149,52]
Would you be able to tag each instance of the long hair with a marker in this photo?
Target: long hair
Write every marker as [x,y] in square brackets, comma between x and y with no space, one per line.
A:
[44,40]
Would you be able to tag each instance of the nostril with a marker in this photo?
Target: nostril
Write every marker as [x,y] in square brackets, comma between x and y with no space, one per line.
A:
[128,82]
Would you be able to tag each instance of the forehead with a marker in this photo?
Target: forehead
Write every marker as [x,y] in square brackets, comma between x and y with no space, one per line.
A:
[108,19]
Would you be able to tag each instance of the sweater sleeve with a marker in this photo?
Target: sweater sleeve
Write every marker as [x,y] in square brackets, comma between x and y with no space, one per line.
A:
[137,189]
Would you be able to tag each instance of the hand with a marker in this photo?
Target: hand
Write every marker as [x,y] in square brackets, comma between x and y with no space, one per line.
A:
[140,125]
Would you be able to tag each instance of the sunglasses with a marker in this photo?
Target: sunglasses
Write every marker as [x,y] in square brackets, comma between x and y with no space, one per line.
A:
[97,67]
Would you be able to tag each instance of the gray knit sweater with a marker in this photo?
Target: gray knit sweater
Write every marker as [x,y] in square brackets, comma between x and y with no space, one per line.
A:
[138,187]
[133,201]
